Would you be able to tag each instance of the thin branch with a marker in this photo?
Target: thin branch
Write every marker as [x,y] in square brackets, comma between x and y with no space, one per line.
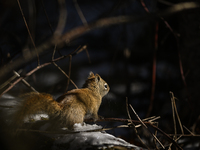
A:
[80,13]
[86,50]
[144,5]
[84,47]
[147,127]
[189,130]
[153,119]
[174,119]
[62,18]
[37,53]
[68,76]
[120,120]
[25,82]
[11,86]
[32,19]
[186,135]
[69,72]
[153,64]
[155,139]
[65,75]
[177,115]
[54,51]
[45,12]
[150,119]
[137,116]
[9,80]
[34,70]
[134,125]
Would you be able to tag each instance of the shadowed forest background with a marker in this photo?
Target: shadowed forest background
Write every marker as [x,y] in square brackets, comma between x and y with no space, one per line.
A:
[141,48]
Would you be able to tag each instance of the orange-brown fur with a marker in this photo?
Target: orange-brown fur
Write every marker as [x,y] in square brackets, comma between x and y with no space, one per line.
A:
[70,108]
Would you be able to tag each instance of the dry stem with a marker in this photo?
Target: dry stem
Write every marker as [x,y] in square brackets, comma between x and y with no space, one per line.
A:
[29,31]
[134,125]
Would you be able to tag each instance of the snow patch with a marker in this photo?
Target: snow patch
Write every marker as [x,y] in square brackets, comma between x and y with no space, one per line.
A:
[84,139]
[36,117]
[86,127]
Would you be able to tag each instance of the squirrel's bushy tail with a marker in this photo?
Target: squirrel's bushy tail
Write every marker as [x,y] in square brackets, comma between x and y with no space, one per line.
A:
[34,103]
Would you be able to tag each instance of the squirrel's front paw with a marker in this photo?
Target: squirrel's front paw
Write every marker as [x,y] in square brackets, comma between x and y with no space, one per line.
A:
[100,117]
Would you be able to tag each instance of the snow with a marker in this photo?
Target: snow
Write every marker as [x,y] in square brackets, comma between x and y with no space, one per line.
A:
[86,127]
[84,138]
[36,117]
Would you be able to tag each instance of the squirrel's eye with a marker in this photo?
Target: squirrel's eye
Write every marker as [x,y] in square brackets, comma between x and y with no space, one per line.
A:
[105,86]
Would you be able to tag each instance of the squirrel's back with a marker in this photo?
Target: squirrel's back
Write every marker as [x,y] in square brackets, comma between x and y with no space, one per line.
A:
[70,108]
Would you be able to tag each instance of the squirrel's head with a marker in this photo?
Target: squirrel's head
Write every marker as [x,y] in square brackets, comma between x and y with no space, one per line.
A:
[96,82]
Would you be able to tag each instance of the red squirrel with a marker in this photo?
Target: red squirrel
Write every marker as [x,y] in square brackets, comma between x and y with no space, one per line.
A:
[70,108]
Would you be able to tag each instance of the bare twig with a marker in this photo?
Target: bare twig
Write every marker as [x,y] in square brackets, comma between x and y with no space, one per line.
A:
[37,53]
[153,72]
[147,127]
[65,75]
[11,86]
[80,13]
[68,76]
[134,125]
[186,135]
[121,120]
[155,139]
[144,6]
[45,12]
[34,70]
[54,51]
[177,115]
[9,80]
[84,47]
[189,130]
[32,19]
[69,72]
[153,119]
[174,119]
[86,50]
[149,118]
[25,82]
[62,18]
[170,145]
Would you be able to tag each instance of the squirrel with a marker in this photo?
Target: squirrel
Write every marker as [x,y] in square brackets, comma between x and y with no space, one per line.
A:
[70,108]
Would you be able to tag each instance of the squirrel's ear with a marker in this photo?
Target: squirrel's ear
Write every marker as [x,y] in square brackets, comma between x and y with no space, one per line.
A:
[91,74]
[97,78]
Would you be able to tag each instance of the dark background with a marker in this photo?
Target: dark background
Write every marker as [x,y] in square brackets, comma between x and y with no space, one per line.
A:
[122,54]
